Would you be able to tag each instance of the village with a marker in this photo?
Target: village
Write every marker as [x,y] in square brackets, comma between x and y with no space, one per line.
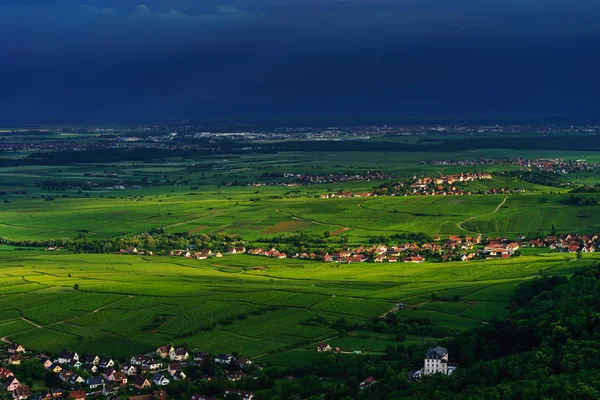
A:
[454,248]
[148,376]
[142,377]
[450,185]
[553,165]
[295,179]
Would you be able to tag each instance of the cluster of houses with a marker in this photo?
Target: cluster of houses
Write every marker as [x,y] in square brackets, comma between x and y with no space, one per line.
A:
[434,186]
[554,165]
[571,243]
[94,376]
[291,179]
[455,248]
[199,255]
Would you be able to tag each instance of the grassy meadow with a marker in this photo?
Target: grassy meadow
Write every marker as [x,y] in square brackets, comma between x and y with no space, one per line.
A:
[252,305]
[120,305]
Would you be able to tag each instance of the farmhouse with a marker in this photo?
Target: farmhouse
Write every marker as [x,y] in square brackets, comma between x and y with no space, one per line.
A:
[322,347]
[367,382]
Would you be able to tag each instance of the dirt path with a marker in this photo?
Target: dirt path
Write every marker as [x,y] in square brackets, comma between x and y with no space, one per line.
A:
[308,220]
[109,304]
[44,229]
[5,340]
[460,225]
[31,322]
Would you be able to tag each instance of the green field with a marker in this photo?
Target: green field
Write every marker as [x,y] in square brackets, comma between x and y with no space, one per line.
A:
[129,304]
[225,305]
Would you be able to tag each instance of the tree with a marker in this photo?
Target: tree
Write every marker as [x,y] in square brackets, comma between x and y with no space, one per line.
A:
[553,230]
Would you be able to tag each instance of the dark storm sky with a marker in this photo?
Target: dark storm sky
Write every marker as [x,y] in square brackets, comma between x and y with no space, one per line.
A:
[108,60]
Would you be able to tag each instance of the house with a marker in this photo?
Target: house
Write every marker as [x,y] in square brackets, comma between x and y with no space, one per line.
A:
[245,395]
[56,392]
[243,362]
[66,357]
[130,370]
[178,354]
[108,372]
[75,379]
[12,383]
[5,373]
[65,375]
[179,375]
[321,347]
[152,365]
[15,348]
[142,383]
[21,393]
[92,359]
[367,382]
[91,368]
[108,389]
[94,382]
[163,351]
[139,359]
[199,357]
[160,379]
[174,367]
[47,363]
[15,359]
[225,359]
[77,395]
[414,259]
[106,363]
[55,368]
[118,377]
[436,361]
[235,375]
